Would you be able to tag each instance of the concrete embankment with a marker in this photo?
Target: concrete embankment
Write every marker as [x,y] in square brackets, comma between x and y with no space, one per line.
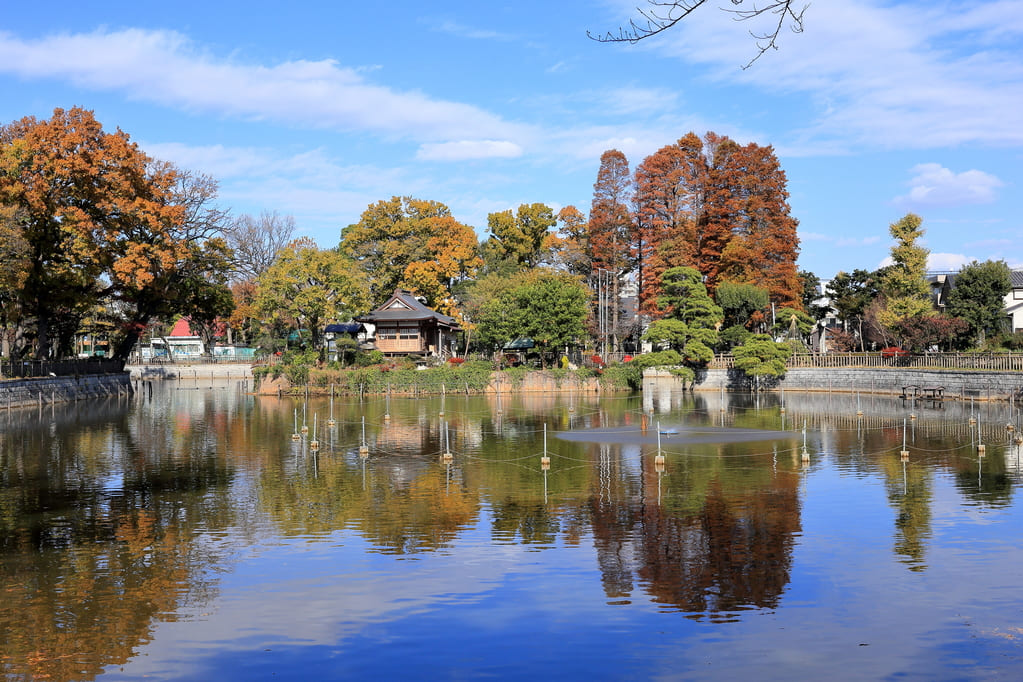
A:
[182,371]
[47,390]
[956,384]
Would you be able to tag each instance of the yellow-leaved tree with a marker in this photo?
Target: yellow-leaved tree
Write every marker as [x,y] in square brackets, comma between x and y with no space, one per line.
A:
[415,244]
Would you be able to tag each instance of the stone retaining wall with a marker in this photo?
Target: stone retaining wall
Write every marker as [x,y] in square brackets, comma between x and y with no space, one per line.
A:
[957,384]
[47,390]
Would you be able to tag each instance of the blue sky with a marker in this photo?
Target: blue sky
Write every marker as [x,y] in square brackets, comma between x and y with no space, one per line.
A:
[318,109]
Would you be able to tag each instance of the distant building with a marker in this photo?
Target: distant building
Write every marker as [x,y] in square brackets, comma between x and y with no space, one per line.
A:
[942,284]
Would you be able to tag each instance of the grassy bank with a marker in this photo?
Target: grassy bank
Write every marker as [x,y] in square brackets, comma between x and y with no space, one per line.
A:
[467,378]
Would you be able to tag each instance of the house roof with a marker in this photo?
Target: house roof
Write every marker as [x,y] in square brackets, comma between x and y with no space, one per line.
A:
[181,328]
[402,305]
[1017,278]
[521,343]
[344,328]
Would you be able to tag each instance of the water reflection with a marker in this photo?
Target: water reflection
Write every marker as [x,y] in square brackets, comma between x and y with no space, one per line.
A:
[118,516]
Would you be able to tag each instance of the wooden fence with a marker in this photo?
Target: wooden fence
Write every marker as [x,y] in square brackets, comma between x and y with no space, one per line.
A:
[999,362]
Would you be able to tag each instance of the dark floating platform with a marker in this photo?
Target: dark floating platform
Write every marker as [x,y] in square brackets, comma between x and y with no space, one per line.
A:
[674,435]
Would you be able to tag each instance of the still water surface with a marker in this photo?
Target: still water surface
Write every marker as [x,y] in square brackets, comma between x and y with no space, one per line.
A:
[185,535]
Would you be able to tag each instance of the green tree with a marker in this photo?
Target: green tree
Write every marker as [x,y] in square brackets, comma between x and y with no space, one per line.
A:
[311,287]
[693,343]
[522,236]
[904,284]
[552,308]
[761,356]
[693,318]
[742,304]
[792,323]
[486,306]
[685,298]
[851,294]
[811,294]
[547,306]
[978,297]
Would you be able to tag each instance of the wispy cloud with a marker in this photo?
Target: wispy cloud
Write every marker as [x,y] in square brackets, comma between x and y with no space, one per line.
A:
[880,76]
[165,67]
[318,189]
[934,185]
[947,261]
[463,31]
[463,150]
[860,241]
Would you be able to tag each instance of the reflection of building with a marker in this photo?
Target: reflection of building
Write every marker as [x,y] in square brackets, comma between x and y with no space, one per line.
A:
[405,326]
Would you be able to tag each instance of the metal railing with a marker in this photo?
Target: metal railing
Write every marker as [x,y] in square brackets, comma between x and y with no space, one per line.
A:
[135,359]
[20,369]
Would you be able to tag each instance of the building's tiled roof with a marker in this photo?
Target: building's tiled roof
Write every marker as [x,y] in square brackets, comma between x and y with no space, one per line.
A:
[402,305]
[1017,279]
[345,328]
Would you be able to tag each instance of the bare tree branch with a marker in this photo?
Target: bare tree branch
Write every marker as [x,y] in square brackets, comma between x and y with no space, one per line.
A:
[257,241]
[661,15]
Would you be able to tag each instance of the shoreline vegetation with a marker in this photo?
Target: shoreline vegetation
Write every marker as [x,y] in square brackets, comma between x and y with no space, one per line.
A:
[472,377]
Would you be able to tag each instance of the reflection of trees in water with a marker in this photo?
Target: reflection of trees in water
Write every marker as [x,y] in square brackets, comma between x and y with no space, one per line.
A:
[734,551]
[532,524]
[69,613]
[99,536]
[910,494]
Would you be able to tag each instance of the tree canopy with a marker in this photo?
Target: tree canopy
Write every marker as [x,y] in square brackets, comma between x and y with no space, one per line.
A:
[978,297]
[521,236]
[98,221]
[721,208]
[413,243]
[312,287]
[544,305]
[904,283]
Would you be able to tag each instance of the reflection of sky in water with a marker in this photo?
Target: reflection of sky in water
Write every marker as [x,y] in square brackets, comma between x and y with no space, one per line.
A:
[854,597]
[331,607]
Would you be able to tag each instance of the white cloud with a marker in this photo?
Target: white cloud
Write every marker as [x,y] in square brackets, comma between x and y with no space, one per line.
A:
[464,150]
[938,262]
[165,67]
[891,75]
[934,185]
[947,261]
[462,31]
[857,241]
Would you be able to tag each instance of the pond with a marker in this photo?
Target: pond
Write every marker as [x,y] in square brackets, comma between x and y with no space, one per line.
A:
[194,532]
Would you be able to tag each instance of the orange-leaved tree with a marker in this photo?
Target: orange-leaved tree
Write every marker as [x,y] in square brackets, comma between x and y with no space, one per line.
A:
[103,222]
[610,229]
[411,242]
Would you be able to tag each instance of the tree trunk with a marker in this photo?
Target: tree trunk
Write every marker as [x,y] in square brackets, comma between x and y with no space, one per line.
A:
[127,344]
[614,315]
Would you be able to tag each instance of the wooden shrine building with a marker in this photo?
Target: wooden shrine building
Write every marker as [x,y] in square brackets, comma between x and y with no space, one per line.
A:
[403,325]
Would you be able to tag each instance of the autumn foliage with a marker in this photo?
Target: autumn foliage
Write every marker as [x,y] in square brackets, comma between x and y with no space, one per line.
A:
[99,222]
[721,208]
